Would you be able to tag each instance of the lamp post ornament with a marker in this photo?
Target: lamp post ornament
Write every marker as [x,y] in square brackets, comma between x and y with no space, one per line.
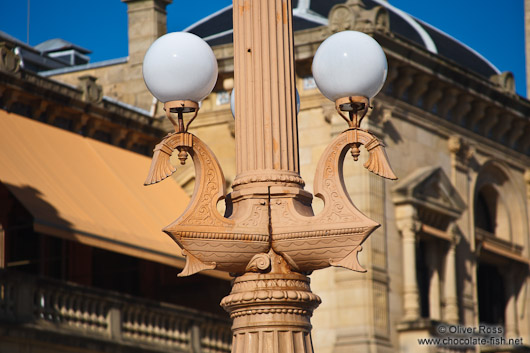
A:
[269,237]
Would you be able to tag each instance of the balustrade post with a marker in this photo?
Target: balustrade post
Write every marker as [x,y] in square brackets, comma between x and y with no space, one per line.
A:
[24,298]
[195,340]
[2,247]
[114,322]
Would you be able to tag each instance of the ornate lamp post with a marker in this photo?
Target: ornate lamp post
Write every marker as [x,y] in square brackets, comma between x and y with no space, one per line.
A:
[269,237]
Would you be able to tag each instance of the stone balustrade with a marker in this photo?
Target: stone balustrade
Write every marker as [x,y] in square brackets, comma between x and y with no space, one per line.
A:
[108,316]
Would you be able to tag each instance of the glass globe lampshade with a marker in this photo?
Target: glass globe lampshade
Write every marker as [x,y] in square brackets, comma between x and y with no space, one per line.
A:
[233,102]
[180,66]
[349,63]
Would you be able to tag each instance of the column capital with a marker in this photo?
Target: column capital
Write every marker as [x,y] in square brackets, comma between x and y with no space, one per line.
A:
[408,226]
[456,234]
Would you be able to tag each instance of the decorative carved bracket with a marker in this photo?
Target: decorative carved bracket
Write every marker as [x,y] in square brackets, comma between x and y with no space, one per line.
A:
[209,239]
[278,220]
[334,236]
[92,92]
[9,61]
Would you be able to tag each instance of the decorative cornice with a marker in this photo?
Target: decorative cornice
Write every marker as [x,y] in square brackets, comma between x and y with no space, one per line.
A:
[450,93]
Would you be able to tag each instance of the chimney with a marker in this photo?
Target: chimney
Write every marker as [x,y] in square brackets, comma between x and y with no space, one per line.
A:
[147,22]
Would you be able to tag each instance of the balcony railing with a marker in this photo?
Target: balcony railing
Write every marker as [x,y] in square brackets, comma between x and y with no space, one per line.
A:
[99,314]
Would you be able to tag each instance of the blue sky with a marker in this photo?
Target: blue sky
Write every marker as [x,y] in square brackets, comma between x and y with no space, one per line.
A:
[494,29]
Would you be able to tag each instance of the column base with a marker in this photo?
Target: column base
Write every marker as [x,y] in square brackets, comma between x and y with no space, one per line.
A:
[271,313]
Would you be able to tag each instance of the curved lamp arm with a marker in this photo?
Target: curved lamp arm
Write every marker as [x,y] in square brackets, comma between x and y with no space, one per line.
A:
[208,240]
[334,236]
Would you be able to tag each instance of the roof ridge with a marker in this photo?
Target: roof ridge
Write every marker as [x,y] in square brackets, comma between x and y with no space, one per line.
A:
[202,20]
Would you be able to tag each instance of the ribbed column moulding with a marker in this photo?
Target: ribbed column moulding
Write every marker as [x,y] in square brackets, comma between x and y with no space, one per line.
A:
[271,313]
[266,125]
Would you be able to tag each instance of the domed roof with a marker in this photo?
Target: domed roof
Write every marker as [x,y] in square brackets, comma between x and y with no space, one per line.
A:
[216,29]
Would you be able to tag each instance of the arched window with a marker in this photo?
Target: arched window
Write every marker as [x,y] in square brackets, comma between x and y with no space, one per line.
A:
[484,212]
[498,214]
[497,205]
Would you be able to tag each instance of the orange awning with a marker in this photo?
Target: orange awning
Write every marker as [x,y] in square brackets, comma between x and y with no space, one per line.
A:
[87,191]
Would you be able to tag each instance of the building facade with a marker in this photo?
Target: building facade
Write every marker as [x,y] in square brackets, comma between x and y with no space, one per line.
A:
[453,248]
[84,265]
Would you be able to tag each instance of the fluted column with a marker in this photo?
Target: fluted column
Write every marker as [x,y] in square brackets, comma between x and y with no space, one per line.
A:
[411,298]
[450,293]
[266,125]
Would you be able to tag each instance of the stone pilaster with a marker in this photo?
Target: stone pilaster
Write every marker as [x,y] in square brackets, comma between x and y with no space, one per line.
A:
[265,103]
[377,258]
[461,159]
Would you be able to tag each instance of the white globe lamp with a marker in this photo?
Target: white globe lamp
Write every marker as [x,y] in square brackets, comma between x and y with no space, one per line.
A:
[180,70]
[348,64]
[350,68]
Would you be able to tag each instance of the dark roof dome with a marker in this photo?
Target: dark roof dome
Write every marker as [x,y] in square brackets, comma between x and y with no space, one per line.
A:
[216,29]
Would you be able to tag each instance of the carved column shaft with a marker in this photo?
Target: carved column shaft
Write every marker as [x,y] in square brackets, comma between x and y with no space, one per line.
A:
[450,294]
[411,304]
[266,124]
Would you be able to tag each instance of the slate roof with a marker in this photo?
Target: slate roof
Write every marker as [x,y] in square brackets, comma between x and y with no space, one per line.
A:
[58,44]
[216,29]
